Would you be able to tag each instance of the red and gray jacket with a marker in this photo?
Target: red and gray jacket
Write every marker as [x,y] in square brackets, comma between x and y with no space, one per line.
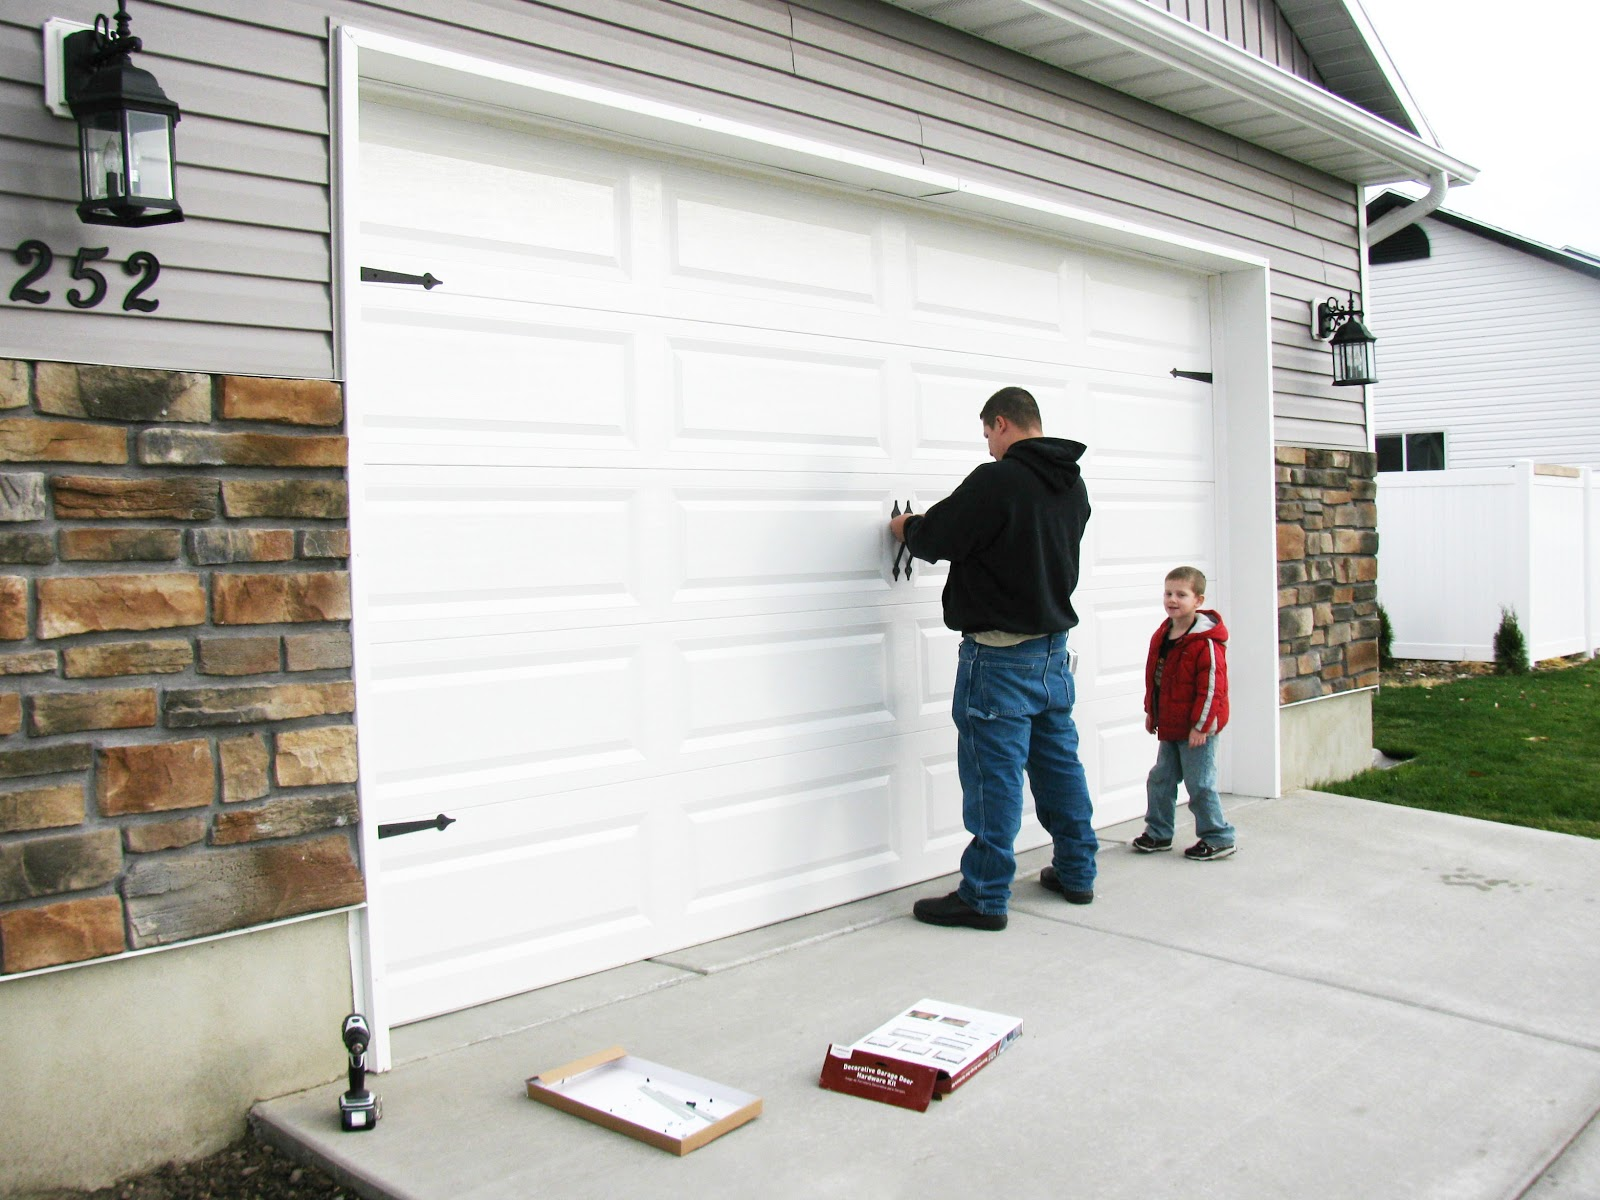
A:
[1194,679]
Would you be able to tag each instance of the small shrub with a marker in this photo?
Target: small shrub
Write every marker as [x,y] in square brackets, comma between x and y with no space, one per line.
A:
[1385,640]
[1510,647]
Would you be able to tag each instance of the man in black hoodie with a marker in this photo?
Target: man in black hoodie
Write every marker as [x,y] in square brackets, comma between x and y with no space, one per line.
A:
[1010,532]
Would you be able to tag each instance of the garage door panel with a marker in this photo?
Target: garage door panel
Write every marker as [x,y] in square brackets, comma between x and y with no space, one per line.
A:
[936,665]
[1141,308]
[1114,636]
[1139,529]
[1160,430]
[982,278]
[1124,754]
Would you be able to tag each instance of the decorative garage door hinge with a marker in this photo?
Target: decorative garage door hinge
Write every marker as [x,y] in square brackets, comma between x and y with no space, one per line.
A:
[396,828]
[902,550]
[379,275]
[1201,376]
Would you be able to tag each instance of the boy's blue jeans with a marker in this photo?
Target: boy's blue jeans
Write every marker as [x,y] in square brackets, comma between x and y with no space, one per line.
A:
[1013,713]
[1196,767]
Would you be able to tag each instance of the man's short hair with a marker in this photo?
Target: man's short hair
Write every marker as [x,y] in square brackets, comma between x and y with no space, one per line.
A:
[1016,405]
[1193,576]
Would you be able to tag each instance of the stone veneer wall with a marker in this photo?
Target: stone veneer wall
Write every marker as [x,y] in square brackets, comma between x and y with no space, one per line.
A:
[177,746]
[1327,572]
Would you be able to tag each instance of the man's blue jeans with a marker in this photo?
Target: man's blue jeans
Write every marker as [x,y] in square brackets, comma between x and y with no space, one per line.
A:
[1013,713]
[1197,768]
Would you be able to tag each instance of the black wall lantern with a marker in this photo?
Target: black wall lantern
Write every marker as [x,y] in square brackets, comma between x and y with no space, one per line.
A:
[1352,342]
[126,145]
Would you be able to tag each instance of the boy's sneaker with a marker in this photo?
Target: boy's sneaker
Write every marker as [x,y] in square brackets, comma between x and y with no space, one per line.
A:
[1204,851]
[1145,844]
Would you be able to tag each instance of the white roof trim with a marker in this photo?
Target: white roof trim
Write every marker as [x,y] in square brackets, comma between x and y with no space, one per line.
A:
[1142,51]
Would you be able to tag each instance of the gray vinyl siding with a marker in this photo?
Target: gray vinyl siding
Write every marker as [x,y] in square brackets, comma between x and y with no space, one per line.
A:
[1515,377]
[246,281]
[1256,26]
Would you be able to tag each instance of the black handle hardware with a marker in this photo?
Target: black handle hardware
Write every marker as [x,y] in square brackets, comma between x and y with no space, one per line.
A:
[902,550]
[396,828]
[379,275]
[1199,376]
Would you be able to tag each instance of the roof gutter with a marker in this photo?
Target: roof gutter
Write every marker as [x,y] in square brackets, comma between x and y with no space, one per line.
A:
[1396,219]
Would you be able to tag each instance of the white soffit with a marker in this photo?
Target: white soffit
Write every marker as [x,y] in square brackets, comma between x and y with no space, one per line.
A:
[1135,48]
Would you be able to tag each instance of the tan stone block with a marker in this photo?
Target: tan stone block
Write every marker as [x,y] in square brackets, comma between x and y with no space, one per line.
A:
[193,448]
[325,543]
[1322,614]
[74,712]
[22,497]
[166,656]
[1294,622]
[289,817]
[1292,456]
[281,597]
[13,383]
[292,401]
[67,862]
[122,393]
[307,757]
[1291,542]
[244,768]
[318,499]
[191,708]
[174,898]
[317,651]
[13,608]
[155,778]
[53,934]
[210,547]
[29,662]
[56,807]
[10,713]
[109,602]
[121,545]
[1338,635]
[151,836]
[1361,656]
[25,439]
[239,656]
[88,497]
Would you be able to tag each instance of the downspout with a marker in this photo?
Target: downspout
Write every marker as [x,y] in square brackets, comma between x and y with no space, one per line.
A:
[1396,219]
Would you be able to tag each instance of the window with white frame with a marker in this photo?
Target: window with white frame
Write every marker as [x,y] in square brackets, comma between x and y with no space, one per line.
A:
[1410,451]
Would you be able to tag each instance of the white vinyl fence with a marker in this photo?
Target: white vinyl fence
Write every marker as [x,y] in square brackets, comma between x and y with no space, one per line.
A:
[1456,546]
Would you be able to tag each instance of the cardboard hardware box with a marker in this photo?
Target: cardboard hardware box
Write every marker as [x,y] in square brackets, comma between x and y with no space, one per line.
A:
[667,1108]
[926,1052]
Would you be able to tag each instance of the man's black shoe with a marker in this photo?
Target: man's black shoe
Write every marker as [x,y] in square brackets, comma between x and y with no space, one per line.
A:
[953,910]
[1048,878]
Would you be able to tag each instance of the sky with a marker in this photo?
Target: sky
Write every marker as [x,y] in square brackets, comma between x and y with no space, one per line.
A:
[1515,97]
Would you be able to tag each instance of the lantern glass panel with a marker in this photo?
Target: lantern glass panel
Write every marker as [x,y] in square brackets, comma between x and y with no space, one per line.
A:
[150,163]
[102,156]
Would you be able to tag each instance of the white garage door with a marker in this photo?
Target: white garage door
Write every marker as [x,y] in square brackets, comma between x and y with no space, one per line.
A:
[626,606]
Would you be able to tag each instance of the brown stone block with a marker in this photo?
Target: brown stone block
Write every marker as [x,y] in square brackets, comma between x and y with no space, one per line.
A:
[209,547]
[1343,595]
[168,656]
[34,548]
[307,757]
[1322,614]
[22,497]
[155,778]
[284,818]
[23,439]
[324,499]
[57,807]
[74,712]
[174,899]
[120,545]
[1309,664]
[13,383]
[1290,455]
[292,401]
[239,656]
[1296,690]
[190,708]
[53,934]
[1338,635]
[10,713]
[1337,496]
[317,651]
[45,760]
[1332,673]
[1367,680]
[13,608]
[281,597]
[122,393]
[1291,542]
[1294,622]
[79,497]
[1361,656]
[186,448]
[105,602]
[151,836]
[67,862]
[244,768]
[325,543]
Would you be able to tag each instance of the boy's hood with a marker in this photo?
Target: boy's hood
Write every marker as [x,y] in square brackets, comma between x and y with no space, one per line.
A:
[1207,623]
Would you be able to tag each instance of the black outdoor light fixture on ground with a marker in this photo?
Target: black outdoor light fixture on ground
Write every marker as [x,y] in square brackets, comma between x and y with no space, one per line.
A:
[1352,342]
[126,145]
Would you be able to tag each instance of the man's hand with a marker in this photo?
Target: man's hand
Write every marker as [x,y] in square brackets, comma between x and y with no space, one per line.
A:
[1196,739]
[897,526]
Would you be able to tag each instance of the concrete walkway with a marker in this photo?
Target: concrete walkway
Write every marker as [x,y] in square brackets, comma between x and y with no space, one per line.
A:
[1366,1001]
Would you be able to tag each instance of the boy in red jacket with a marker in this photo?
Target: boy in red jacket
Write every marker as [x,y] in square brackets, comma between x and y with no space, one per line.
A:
[1186,706]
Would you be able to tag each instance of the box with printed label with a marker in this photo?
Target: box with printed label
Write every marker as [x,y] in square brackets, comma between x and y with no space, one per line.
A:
[925,1053]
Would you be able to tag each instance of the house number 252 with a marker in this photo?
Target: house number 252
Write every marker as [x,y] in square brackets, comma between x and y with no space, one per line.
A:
[141,265]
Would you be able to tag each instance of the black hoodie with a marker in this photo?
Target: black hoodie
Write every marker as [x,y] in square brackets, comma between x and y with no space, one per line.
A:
[1010,533]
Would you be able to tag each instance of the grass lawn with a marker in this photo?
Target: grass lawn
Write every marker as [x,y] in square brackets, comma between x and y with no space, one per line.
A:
[1522,749]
